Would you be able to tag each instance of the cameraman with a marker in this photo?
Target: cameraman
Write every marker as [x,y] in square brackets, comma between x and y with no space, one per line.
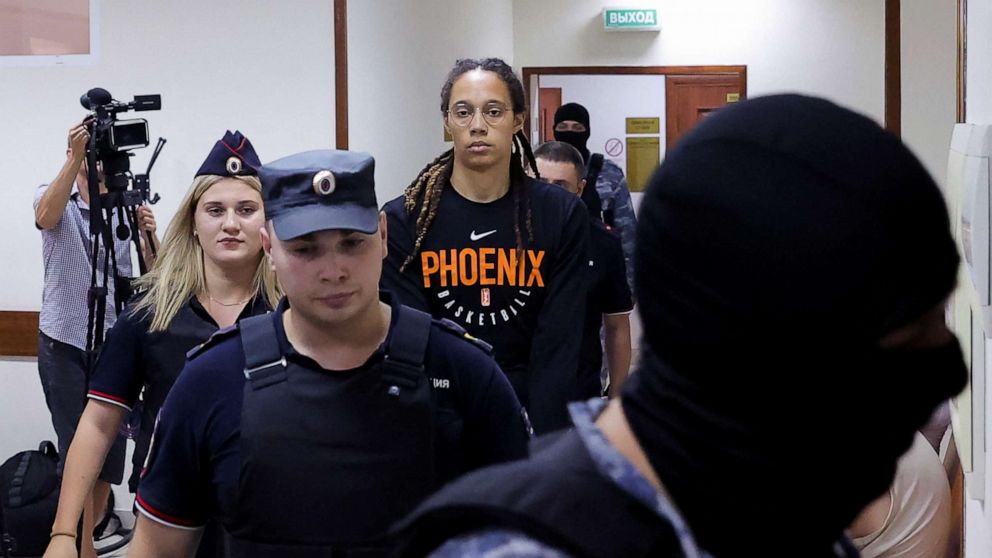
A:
[61,212]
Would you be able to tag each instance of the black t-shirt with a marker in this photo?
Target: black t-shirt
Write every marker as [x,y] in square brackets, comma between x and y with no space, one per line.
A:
[134,360]
[529,309]
[194,466]
[608,294]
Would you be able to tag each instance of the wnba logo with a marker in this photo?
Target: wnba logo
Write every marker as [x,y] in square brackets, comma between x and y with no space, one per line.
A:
[485,298]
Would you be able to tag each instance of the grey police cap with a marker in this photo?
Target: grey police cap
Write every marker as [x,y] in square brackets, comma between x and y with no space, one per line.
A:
[320,190]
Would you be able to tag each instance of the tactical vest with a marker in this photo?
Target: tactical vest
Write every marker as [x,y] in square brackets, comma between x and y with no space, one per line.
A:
[327,466]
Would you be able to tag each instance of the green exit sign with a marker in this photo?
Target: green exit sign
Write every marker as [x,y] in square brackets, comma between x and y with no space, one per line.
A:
[630,19]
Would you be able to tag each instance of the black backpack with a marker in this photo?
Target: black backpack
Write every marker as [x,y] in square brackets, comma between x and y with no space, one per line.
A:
[29,497]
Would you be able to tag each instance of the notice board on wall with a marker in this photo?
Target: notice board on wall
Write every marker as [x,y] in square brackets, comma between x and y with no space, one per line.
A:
[643,156]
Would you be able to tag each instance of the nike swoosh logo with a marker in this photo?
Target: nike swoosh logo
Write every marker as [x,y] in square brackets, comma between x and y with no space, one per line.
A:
[480,236]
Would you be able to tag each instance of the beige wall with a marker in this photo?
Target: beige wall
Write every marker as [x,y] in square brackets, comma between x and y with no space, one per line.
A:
[830,48]
[929,78]
[55,27]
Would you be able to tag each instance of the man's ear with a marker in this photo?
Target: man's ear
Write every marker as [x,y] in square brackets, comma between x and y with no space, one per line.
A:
[582,187]
[263,235]
[384,234]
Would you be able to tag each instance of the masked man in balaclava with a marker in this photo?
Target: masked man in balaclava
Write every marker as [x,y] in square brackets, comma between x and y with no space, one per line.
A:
[793,260]
[606,194]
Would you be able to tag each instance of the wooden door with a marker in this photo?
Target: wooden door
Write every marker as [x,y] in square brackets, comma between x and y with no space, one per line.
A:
[549,99]
[689,98]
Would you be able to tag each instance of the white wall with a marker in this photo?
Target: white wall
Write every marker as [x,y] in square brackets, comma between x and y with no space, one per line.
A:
[222,64]
[828,48]
[831,48]
[253,65]
[399,53]
[978,74]
[611,99]
[268,70]
[978,514]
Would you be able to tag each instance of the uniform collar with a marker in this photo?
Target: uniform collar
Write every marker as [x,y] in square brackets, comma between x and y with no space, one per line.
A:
[622,472]
[257,305]
[291,353]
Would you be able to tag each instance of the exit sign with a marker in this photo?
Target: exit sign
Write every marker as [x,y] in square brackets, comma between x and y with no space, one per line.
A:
[630,19]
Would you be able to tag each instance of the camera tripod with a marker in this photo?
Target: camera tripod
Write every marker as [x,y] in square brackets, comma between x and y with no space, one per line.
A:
[121,202]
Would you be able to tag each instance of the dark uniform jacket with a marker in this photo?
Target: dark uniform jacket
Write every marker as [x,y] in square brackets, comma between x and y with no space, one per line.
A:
[136,362]
[195,462]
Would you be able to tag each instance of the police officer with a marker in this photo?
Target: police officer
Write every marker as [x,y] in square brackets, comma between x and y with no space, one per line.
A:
[607,195]
[210,272]
[608,303]
[309,430]
[793,260]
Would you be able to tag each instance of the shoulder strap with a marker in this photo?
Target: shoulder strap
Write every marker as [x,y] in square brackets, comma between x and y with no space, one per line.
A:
[17,481]
[590,195]
[264,363]
[407,349]
[47,448]
[459,331]
[215,337]
[595,166]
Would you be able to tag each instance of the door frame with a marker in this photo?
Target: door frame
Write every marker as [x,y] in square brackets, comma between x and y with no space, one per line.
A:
[530,86]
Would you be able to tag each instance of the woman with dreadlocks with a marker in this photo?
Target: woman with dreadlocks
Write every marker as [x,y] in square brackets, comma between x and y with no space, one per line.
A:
[475,240]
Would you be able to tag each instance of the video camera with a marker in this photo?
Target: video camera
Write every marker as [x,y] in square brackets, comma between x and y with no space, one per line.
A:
[110,145]
[113,138]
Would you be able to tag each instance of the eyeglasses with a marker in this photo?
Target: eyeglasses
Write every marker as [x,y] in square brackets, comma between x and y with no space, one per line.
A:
[462,115]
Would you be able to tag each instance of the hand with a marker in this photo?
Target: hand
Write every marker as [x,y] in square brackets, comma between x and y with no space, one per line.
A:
[61,547]
[146,219]
[79,136]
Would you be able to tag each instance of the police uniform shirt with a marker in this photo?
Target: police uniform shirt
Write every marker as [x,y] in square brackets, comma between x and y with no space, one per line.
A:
[608,294]
[134,359]
[194,463]
[530,309]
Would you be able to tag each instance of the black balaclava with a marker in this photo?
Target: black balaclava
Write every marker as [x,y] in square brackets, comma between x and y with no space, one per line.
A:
[578,140]
[779,241]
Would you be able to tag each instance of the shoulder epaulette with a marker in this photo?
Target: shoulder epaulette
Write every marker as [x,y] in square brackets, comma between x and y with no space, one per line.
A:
[459,331]
[216,337]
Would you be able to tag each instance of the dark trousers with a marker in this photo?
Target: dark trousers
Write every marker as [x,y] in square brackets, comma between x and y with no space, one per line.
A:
[64,373]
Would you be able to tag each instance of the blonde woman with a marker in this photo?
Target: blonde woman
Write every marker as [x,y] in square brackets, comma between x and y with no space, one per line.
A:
[210,272]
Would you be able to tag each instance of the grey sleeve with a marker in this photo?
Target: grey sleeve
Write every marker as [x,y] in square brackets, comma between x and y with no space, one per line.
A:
[496,544]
